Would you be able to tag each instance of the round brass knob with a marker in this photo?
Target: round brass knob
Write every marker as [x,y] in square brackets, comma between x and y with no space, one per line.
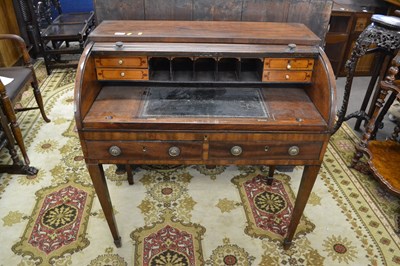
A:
[289,66]
[236,150]
[292,46]
[287,77]
[120,61]
[294,150]
[122,74]
[174,151]
[115,150]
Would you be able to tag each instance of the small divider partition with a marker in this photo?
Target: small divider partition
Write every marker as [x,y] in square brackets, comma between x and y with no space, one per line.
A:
[205,69]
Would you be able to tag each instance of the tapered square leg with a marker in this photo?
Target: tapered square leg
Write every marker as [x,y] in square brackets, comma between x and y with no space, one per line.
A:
[100,185]
[310,174]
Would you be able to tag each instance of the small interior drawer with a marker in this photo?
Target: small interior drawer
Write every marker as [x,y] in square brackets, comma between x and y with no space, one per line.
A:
[287,76]
[122,74]
[134,61]
[288,63]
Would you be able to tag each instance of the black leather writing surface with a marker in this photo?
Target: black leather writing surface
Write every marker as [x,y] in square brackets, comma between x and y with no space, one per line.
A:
[204,102]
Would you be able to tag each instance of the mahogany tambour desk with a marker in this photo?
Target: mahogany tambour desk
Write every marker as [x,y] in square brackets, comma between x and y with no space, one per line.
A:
[204,92]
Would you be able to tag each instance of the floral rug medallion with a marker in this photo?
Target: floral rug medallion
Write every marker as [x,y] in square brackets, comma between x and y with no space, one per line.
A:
[57,224]
[268,208]
[168,243]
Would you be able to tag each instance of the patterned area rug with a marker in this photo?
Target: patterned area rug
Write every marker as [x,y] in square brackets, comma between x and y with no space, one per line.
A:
[184,215]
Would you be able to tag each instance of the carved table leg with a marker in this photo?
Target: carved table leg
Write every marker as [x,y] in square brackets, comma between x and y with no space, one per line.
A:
[307,182]
[100,185]
[370,131]
[383,112]
[381,65]
[371,95]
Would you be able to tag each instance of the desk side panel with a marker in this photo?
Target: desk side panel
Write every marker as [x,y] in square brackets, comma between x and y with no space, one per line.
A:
[323,89]
[86,89]
[86,85]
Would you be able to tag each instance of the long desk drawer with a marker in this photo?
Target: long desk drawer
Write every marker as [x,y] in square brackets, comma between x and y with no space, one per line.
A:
[273,150]
[145,150]
[193,150]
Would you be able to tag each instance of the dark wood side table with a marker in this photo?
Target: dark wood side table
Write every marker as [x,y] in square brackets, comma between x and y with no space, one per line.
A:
[381,36]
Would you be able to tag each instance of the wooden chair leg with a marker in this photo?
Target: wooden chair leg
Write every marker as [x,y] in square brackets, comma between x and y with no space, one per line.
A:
[10,142]
[12,119]
[39,99]
[17,167]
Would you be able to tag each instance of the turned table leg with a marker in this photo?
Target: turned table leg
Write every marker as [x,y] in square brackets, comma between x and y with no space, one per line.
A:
[307,182]
[100,185]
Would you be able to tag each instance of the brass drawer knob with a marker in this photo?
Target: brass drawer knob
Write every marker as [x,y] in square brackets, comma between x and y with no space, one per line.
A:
[287,77]
[292,46]
[122,74]
[115,150]
[120,62]
[174,151]
[294,150]
[236,150]
[289,66]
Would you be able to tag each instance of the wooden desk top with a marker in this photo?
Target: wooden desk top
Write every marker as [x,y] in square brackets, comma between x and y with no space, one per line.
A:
[204,32]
